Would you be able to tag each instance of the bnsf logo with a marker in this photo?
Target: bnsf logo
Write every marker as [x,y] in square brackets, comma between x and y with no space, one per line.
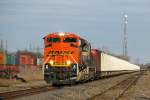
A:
[60,52]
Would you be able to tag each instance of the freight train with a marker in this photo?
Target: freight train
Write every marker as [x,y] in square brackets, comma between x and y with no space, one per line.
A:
[68,58]
[8,68]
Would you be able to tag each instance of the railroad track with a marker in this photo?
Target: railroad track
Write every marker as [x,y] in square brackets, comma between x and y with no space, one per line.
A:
[21,93]
[116,91]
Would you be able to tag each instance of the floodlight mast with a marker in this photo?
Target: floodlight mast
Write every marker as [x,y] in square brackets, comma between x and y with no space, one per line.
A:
[125,48]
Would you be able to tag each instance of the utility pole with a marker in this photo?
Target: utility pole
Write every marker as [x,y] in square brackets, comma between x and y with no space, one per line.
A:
[30,47]
[1,45]
[125,48]
[6,46]
[137,61]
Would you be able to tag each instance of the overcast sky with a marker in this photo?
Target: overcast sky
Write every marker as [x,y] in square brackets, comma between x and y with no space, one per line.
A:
[25,22]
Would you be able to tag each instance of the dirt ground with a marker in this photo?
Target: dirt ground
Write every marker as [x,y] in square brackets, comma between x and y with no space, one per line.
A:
[27,73]
[30,75]
[140,91]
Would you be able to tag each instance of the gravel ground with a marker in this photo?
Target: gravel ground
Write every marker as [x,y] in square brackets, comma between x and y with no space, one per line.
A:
[141,90]
[77,92]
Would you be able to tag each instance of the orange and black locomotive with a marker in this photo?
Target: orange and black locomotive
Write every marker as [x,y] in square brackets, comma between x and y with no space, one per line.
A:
[66,57]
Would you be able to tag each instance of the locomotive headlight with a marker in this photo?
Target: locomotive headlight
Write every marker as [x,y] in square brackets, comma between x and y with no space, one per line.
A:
[61,34]
[51,62]
[46,66]
[68,62]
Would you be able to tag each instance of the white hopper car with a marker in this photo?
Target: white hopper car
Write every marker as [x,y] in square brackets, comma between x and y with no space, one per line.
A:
[104,65]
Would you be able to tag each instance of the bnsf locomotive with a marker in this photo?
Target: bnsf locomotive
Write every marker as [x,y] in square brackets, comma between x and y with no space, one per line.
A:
[68,58]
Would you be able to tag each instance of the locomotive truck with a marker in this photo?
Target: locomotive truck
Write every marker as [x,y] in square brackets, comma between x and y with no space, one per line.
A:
[68,58]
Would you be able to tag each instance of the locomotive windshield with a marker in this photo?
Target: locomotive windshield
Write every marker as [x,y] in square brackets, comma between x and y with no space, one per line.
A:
[70,39]
[52,39]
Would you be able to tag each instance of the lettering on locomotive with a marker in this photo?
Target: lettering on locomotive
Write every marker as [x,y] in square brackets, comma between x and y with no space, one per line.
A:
[60,53]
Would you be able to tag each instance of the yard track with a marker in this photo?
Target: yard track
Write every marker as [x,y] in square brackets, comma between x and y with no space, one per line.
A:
[26,92]
[116,91]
